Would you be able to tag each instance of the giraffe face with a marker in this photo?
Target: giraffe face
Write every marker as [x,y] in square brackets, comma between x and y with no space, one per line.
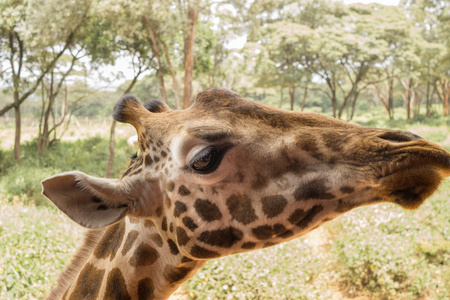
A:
[236,175]
[230,175]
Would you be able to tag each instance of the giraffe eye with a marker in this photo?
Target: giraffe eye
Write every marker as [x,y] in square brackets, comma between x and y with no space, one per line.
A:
[206,161]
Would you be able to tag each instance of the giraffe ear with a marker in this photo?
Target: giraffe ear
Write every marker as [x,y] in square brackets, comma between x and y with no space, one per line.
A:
[91,202]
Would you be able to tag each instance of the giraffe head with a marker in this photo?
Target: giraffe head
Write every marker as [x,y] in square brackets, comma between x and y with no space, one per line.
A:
[230,175]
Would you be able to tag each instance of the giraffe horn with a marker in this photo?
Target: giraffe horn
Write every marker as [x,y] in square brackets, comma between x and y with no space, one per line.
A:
[130,110]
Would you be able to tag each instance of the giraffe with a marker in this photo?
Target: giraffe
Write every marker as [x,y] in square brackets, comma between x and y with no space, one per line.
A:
[225,176]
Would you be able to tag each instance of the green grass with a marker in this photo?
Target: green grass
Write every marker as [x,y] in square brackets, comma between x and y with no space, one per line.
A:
[389,253]
[36,243]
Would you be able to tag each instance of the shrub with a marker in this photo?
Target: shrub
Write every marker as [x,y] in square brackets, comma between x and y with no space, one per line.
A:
[87,155]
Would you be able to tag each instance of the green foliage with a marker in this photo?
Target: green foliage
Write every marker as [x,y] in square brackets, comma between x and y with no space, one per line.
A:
[37,242]
[385,252]
[23,180]
[286,271]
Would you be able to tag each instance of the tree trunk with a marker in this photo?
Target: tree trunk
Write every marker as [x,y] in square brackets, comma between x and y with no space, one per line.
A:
[281,95]
[334,102]
[189,43]
[176,87]
[112,134]
[305,94]
[355,98]
[391,98]
[292,96]
[442,88]
[151,34]
[407,97]
[17,128]
[112,145]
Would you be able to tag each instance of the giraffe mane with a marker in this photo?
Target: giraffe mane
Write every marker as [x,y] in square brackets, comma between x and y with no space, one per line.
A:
[91,239]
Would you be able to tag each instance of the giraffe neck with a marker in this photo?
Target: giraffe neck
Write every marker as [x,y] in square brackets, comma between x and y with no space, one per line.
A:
[127,260]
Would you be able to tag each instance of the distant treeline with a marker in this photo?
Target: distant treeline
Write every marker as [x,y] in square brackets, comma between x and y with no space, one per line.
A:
[298,54]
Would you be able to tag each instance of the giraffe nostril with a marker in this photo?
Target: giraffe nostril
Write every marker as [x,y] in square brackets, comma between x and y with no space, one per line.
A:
[399,136]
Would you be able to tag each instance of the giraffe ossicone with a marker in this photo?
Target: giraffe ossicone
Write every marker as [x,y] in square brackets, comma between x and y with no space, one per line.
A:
[227,175]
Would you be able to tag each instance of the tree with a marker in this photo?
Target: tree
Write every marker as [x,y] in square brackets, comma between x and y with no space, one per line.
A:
[284,43]
[28,34]
[432,19]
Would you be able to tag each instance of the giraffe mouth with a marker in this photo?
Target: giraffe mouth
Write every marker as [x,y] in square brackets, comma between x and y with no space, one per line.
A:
[410,184]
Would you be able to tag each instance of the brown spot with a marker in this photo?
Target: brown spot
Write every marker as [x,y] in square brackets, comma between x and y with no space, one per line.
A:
[259,182]
[200,252]
[183,191]
[347,189]
[171,227]
[248,245]
[88,283]
[149,223]
[273,205]
[186,259]
[131,237]
[189,223]
[335,141]
[180,208]
[265,232]
[224,238]
[241,209]
[116,287]
[308,143]
[156,159]
[145,289]
[163,153]
[174,274]
[182,237]
[144,255]
[343,206]
[207,210]
[315,189]
[157,239]
[310,214]
[111,241]
[164,223]
[170,186]
[296,216]
[286,234]
[173,247]
[240,177]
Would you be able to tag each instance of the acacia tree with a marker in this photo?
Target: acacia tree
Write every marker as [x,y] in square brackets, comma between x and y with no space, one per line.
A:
[284,43]
[51,88]
[29,32]
[432,19]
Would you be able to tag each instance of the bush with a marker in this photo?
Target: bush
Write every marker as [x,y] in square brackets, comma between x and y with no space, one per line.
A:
[87,155]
